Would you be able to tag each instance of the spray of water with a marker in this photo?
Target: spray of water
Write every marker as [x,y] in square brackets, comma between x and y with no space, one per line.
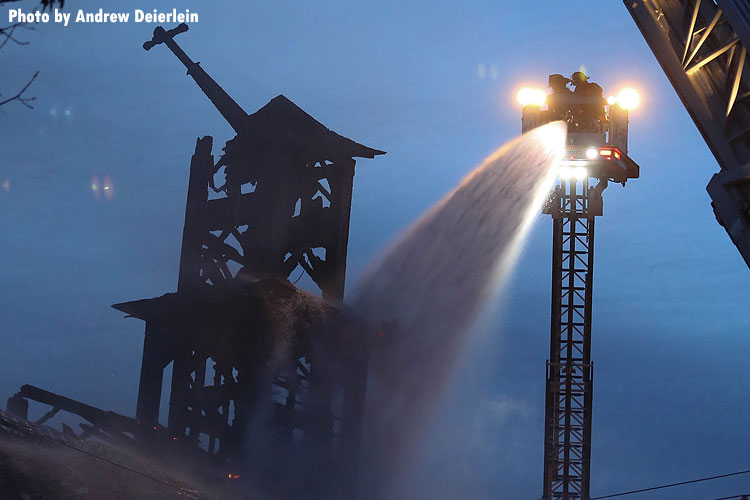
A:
[425,291]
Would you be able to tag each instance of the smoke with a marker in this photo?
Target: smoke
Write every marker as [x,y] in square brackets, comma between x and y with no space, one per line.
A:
[37,464]
[424,293]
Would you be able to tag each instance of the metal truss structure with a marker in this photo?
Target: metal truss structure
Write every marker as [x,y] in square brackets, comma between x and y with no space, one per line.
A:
[567,437]
[702,46]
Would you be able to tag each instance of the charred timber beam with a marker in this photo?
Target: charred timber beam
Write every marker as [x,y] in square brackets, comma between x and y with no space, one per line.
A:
[178,395]
[341,205]
[195,207]
[107,420]
[152,375]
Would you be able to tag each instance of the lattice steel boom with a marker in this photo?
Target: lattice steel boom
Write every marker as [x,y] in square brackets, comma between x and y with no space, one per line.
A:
[596,150]
[567,440]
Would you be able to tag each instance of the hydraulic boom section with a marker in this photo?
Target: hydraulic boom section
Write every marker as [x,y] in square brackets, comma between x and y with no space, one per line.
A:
[702,47]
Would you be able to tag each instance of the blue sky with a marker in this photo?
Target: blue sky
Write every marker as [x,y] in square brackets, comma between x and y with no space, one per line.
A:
[670,319]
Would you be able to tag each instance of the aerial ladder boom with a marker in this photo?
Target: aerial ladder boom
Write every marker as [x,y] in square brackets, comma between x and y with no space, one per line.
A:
[702,47]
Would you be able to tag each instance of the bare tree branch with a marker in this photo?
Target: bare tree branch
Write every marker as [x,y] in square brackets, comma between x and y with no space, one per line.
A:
[19,96]
[6,34]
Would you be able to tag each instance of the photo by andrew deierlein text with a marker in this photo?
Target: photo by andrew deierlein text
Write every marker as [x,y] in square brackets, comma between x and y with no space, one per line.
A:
[101,16]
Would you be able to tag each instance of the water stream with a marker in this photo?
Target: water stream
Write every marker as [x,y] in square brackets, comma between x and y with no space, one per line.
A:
[422,295]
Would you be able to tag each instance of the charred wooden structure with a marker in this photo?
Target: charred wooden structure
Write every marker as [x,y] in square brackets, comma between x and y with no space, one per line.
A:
[264,376]
[267,380]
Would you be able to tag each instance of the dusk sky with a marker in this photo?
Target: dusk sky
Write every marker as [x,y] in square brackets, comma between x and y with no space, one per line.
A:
[433,84]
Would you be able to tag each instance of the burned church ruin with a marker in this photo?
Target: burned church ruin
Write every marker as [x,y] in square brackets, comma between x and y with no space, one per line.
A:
[268,380]
[258,370]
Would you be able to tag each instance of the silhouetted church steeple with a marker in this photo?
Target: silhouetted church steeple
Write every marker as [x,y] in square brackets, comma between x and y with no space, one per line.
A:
[244,343]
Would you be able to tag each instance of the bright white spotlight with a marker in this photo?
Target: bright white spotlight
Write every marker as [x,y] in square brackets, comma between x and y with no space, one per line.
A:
[529,96]
[565,172]
[629,99]
[611,100]
[580,173]
[592,153]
